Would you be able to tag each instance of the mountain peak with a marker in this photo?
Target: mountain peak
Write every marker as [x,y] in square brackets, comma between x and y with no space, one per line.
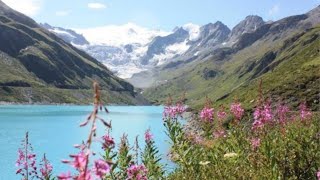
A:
[46,25]
[212,34]
[214,26]
[248,25]
[180,30]
[219,23]
[254,17]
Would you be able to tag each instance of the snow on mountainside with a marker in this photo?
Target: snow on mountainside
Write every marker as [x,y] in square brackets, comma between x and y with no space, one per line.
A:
[128,49]
[67,35]
[120,35]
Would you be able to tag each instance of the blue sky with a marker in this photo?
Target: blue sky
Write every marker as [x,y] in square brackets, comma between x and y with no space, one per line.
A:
[162,14]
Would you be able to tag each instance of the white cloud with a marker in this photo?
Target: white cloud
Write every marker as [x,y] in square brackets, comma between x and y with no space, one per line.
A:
[274,10]
[62,13]
[27,7]
[96,6]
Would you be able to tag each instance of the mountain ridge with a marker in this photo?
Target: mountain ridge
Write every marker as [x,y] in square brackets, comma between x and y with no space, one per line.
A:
[38,65]
[220,72]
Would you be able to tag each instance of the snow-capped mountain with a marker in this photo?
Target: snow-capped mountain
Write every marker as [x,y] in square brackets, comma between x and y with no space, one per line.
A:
[129,48]
[67,35]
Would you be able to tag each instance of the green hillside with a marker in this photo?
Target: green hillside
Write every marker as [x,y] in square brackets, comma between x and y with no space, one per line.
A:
[288,67]
[37,66]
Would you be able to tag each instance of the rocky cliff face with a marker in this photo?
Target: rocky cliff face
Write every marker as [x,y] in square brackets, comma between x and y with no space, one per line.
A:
[248,25]
[212,35]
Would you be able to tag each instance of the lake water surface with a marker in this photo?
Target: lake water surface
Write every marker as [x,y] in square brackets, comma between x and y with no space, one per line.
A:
[55,129]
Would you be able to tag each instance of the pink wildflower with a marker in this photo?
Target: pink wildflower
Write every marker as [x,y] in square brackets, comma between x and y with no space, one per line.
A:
[65,176]
[26,161]
[219,134]
[282,112]
[221,114]
[137,172]
[180,108]
[318,175]
[101,168]
[46,168]
[257,125]
[79,161]
[206,114]
[108,142]
[305,113]
[255,143]
[174,111]
[262,115]
[84,176]
[237,110]
[148,136]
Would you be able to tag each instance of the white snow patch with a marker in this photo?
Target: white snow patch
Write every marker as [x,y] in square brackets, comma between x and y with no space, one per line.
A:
[178,48]
[193,29]
[58,31]
[117,35]
[170,52]
[138,52]
[125,71]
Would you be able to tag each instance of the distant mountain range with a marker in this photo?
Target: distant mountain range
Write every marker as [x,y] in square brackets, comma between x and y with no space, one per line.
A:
[159,48]
[214,60]
[37,66]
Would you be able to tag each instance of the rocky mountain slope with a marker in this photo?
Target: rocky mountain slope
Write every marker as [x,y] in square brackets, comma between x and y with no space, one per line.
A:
[38,66]
[283,54]
[120,48]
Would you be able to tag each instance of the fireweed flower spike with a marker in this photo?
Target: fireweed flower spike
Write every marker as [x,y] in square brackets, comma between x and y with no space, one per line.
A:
[282,113]
[26,161]
[221,114]
[305,113]
[137,172]
[171,111]
[262,115]
[101,168]
[206,114]
[148,136]
[80,161]
[45,169]
[107,142]
[237,110]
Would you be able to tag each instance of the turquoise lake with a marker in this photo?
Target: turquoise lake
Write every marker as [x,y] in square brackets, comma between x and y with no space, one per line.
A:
[55,129]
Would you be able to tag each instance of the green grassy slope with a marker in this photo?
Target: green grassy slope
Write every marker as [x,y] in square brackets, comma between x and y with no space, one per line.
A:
[288,67]
[37,66]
